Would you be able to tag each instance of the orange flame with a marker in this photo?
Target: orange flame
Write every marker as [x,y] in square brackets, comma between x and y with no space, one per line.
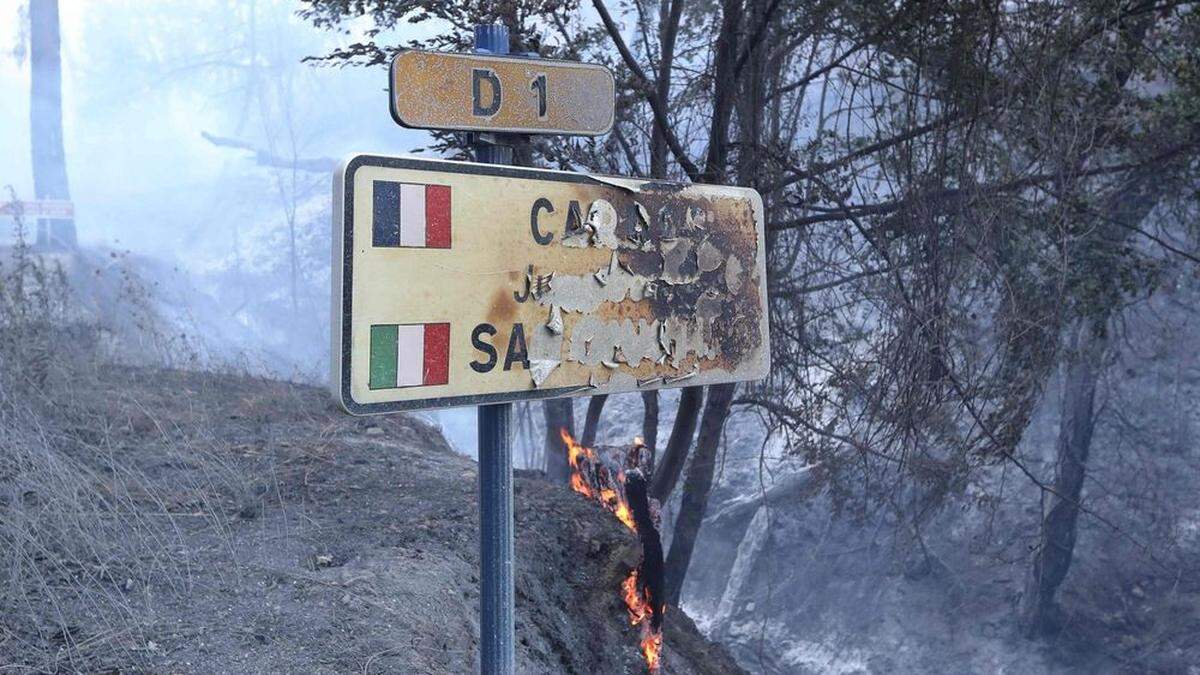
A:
[585,464]
[652,649]
[610,498]
[639,607]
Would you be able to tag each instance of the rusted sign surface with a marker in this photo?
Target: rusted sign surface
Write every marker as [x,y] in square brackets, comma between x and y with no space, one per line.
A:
[462,284]
[465,92]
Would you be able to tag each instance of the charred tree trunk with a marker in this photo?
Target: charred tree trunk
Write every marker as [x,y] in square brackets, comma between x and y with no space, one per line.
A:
[667,471]
[45,121]
[728,60]
[724,88]
[1122,211]
[560,414]
[1052,558]
[650,426]
[591,422]
[696,488]
[1084,354]
[650,570]
[670,12]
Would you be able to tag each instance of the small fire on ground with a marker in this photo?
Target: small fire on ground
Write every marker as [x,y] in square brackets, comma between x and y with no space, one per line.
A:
[604,480]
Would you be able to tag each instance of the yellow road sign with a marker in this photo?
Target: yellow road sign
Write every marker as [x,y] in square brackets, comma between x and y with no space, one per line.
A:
[472,92]
[464,284]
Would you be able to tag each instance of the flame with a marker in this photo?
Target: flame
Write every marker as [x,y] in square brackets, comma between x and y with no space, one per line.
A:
[638,608]
[585,467]
[583,459]
[652,650]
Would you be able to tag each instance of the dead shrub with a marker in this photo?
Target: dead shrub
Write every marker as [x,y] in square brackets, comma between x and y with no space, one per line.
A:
[85,531]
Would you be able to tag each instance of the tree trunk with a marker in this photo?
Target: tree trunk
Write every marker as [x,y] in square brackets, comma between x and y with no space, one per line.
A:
[650,425]
[730,87]
[650,569]
[666,474]
[591,422]
[45,121]
[669,14]
[1052,558]
[560,414]
[696,489]
[724,90]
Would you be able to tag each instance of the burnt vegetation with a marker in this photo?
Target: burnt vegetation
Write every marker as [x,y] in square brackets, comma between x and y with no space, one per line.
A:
[966,205]
[163,511]
[975,450]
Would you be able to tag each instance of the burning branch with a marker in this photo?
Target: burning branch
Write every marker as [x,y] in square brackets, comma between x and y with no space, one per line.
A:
[620,487]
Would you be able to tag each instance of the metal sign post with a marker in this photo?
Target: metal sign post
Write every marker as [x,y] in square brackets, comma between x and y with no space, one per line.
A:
[483,283]
[497,604]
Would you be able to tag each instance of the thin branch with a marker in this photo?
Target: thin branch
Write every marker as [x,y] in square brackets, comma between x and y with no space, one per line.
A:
[267,158]
[947,195]
[647,89]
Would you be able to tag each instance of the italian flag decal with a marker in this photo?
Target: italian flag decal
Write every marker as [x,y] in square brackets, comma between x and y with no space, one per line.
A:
[409,355]
[410,215]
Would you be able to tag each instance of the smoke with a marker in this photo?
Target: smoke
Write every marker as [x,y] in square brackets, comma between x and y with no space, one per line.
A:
[140,85]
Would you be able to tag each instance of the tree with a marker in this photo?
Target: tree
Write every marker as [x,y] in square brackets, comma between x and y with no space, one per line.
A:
[696,489]
[559,415]
[45,121]
[933,174]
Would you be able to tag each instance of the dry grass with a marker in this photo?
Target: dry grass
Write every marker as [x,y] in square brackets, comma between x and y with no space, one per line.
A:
[85,531]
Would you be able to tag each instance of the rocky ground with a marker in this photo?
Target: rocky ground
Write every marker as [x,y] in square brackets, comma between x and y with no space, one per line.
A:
[168,521]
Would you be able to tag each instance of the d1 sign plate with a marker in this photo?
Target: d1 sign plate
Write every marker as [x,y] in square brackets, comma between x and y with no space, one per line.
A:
[471,92]
[464,284]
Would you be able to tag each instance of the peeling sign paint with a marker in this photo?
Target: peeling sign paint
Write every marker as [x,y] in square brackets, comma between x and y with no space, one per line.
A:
[584,293]
[540,369]
[708,257]
[555,322]
[594,341]
[733,275]
[602,219]
[562,284]
[678,268]
[670,268]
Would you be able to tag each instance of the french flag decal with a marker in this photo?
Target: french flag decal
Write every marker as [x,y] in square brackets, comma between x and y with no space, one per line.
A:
[409,355]
[410,215]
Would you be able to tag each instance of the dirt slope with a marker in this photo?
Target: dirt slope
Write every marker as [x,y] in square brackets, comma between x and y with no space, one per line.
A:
[287,536]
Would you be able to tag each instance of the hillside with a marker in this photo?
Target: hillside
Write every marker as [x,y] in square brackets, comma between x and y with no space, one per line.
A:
[168,521]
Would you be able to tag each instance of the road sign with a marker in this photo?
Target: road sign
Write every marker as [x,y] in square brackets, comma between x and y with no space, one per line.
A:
[52,209]
[473,92]
[466,284]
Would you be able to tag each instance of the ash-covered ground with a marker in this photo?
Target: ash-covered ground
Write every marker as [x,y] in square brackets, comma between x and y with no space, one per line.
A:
[169,521]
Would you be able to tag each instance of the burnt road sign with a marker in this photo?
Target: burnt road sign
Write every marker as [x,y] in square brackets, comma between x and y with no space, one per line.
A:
[466,284]
[474,92]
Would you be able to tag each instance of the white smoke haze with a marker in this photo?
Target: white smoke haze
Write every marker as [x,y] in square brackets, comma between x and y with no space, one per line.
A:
[199,147]
[143,84]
